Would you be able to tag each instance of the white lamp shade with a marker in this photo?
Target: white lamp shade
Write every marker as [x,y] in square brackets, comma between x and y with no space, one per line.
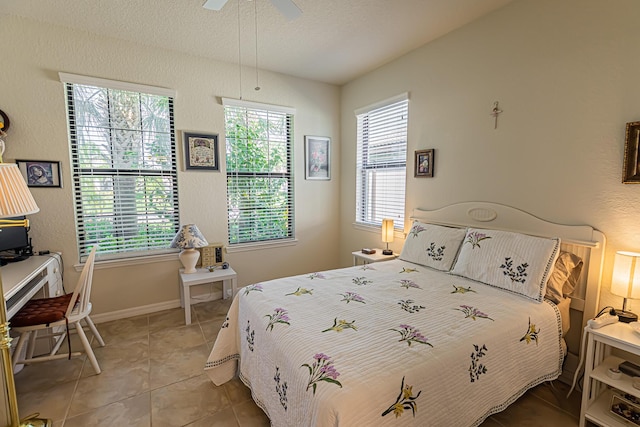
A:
[387,230]
[15,197]
[626,275]
[189,237]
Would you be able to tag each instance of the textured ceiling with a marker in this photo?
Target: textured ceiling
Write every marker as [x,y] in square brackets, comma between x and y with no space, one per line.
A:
[334,41]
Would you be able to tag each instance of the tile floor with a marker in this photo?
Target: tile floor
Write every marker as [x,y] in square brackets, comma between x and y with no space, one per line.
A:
[152,375]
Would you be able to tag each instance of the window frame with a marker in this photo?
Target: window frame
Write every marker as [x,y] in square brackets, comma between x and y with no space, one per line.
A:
[288,174]
[364,165]
[120,254]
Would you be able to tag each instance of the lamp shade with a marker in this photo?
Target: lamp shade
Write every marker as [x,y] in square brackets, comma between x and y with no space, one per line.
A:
[15,197]
[189,237]
[626,275]
[387,230]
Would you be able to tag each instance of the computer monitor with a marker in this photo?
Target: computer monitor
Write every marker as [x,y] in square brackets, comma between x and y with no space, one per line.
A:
[14,239]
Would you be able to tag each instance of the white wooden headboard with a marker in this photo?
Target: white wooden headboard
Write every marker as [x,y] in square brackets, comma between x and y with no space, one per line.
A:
[582,240]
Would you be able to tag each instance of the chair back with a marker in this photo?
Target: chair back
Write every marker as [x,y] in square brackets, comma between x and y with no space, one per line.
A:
[82,292]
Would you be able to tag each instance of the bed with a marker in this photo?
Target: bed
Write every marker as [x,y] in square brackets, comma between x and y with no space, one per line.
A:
[455,330]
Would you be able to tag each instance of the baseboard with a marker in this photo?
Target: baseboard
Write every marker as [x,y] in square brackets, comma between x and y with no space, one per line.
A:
[152,308]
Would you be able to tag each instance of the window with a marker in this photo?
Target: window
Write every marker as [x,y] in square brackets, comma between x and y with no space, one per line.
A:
[124,173]
[381,162]
[259,172]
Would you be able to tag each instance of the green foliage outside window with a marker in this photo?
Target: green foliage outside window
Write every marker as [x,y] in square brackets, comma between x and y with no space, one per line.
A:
[259,178]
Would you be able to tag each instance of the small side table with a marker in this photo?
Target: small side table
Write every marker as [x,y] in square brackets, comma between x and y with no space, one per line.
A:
[227,276]
[377,257]
[598,385]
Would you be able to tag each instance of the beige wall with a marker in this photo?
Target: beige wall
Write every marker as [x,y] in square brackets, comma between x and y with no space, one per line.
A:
[30,93]
[566,74]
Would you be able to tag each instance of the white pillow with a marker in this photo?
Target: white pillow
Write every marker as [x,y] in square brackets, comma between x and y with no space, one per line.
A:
[512,261]
[433,246]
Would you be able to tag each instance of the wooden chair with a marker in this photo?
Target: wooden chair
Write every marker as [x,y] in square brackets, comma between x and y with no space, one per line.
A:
[58,313]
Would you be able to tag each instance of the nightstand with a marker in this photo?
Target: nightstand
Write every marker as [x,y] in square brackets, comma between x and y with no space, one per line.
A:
[377,257]
[227,276]
[598,385]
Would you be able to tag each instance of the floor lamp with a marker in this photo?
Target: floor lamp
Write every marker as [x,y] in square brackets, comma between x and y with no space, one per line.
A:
[15,200]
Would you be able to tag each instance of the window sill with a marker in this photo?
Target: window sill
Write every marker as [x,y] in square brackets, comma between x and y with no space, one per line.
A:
[133,261]
[243,247]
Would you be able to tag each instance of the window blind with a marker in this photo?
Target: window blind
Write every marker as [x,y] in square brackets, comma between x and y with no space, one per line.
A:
[123,169]
[381,162]
[259,160]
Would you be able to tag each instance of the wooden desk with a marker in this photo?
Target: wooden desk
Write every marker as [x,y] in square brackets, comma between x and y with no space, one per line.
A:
[24,279]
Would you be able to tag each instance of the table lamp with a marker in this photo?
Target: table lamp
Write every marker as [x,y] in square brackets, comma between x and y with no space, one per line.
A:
[188,239]
[387,234]
[15,200]
[626,282]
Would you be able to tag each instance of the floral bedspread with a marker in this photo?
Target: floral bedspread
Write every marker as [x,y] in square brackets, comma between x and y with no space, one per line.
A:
[390,343]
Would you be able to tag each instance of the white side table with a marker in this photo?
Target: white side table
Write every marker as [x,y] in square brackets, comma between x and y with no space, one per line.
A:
[377,257]
[226,276]
[598,385]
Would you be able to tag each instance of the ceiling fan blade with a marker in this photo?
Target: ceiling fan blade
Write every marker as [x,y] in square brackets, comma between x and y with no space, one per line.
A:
[214,4]
[288,8]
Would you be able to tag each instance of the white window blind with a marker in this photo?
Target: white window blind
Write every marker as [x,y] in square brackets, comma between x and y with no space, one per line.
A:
[259,160]
[381,162]
[123,167]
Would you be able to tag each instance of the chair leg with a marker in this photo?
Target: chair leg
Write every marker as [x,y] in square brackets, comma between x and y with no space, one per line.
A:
[22,339]
[94,330]
[87,348]
[31,348]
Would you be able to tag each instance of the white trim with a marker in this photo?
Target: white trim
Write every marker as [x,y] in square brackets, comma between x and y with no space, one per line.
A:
[114,84]
[127,262]
[363,110]
[243,247]
[152,308]
[135,311]
[257,105]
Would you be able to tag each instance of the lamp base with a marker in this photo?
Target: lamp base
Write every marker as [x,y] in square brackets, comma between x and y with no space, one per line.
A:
[34,421]
[387,252]
[189,258]
[626,316]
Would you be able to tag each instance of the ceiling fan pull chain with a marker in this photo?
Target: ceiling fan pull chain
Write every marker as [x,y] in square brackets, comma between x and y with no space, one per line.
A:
[255,13]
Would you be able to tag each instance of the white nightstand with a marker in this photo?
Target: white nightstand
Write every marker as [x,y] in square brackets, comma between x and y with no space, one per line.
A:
[227,276]
[596,396]
[377,257]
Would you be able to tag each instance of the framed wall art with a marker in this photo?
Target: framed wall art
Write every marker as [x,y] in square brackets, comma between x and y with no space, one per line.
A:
[631,166]
[424,163]
[40,173]
[201,151]
[317,157]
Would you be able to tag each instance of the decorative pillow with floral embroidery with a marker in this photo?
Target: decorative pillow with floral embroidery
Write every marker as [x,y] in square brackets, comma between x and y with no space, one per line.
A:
[516,262]
[431,245]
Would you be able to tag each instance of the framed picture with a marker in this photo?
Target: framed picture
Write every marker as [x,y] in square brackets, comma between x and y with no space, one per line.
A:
[317,157]
[40,173]
[631,166]
[201,151]
[424,164]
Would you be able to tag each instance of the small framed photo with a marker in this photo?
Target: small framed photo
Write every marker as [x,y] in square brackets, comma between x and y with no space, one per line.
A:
[631,166]
[40,173]
[317,157]
[201,151]
[424,163]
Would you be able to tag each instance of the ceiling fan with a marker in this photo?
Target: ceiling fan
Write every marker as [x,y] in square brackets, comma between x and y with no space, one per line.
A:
[287,7]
